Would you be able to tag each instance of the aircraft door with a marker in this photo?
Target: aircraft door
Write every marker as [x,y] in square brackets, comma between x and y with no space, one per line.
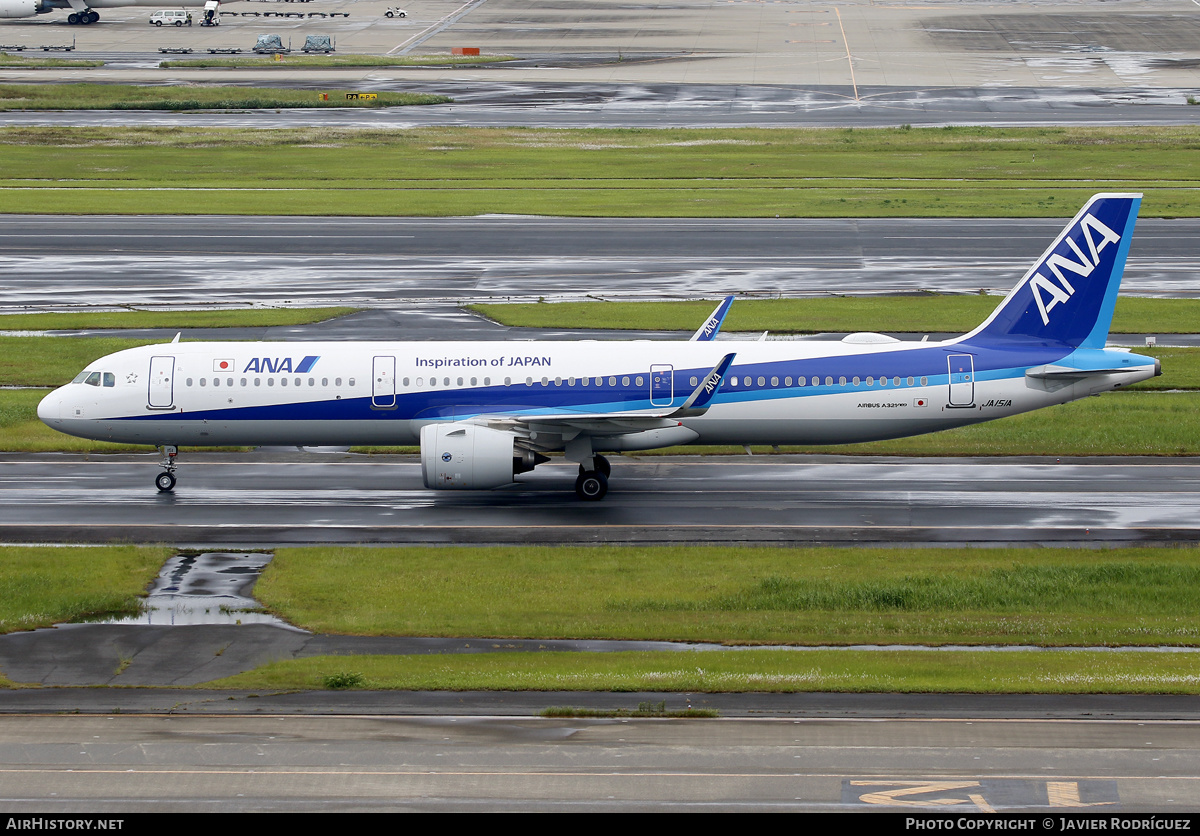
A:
[662,385]
[383,383]
[161,393]
[962,379]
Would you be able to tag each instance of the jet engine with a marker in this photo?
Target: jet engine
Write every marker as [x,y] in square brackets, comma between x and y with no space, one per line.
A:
[471,457]
[20,8]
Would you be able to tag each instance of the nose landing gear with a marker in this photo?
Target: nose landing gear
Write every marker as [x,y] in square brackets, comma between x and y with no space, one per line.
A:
[165,481]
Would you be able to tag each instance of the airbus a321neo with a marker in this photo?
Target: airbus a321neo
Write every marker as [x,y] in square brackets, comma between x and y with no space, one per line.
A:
[484,412]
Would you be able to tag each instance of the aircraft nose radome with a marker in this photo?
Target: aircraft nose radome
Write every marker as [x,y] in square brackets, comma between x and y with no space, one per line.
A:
[50,407]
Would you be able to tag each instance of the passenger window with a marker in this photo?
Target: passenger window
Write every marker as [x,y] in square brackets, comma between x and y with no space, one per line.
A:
[693,381]
[187,382]
[762,381]
[924,381]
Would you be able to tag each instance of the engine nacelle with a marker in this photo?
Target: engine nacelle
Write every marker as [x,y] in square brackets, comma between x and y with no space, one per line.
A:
[467,457]
[20,8]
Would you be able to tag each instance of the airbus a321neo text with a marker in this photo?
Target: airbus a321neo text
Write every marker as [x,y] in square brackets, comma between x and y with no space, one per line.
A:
[485,412]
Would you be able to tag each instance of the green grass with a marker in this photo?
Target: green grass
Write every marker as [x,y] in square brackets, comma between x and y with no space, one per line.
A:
[53,361]
[22,61]
[236,318]
[951,172]
[814,596]
[920,314]
[1079,672]
[41,586]
[83,96]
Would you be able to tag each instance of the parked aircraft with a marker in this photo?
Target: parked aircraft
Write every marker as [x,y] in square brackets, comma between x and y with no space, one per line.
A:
[485,412]
[80,11]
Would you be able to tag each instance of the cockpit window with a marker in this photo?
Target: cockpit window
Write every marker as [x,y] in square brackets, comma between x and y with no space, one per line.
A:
[93,379]
[110,379]
[82,376]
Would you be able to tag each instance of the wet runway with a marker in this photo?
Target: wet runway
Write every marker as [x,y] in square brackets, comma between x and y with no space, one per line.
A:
[122,764]
[81,262]
[280,498]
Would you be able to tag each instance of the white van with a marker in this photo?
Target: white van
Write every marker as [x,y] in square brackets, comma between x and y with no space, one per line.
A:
[174,17]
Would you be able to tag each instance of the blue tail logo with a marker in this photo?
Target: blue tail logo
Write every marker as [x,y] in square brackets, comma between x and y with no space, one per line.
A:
[1068,296]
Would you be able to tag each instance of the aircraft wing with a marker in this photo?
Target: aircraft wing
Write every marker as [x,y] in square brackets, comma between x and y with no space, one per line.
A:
[616,423]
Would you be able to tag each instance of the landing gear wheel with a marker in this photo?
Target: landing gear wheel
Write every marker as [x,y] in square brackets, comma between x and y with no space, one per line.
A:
[93,17]
[591,485]
[601,464]
[72,18]
[165,482]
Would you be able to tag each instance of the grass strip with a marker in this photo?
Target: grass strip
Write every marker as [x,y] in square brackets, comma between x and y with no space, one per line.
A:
[936,172]
[41,586]
[28,62]
[1076,672]
[85,96]
[239,318]
[806,596]
[927,313]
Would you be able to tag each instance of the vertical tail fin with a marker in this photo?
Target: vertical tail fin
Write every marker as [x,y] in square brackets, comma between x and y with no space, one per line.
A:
[1067,297]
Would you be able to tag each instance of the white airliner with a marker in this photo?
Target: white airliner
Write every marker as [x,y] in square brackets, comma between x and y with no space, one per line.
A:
[484,412]
[81,11]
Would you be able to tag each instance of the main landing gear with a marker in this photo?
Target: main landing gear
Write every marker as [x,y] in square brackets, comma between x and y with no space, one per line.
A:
[592,484]
[83,18]
[165,481]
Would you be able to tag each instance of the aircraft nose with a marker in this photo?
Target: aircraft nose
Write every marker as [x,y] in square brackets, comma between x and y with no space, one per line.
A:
[50,407]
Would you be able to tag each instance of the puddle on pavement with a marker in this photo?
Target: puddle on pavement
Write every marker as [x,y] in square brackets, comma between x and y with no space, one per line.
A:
[208,588]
